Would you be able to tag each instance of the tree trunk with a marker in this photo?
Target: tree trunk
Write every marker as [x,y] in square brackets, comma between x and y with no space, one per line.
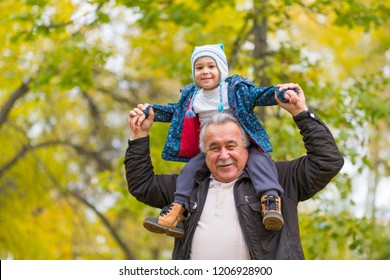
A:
[260,29]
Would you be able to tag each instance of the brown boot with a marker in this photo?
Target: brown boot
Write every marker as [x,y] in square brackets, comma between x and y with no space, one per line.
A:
[169,222]
[271,210]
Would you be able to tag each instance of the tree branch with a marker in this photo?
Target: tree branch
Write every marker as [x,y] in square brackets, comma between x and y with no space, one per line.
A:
[241,38]
[101,162]
[26,148]
[129,254]
[65,191]
[21,91]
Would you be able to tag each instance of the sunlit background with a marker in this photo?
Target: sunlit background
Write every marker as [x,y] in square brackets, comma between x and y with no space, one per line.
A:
[72,69]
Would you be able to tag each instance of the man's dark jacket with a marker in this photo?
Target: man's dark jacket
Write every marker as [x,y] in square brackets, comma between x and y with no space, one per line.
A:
[301,179]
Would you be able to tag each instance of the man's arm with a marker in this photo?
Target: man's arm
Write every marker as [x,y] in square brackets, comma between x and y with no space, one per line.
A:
[147,187]
[143,184]
[304,177]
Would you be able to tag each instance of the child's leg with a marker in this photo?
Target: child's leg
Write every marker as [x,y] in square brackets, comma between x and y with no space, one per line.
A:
[186,179]
[264,176]
[171,216]
[263,173]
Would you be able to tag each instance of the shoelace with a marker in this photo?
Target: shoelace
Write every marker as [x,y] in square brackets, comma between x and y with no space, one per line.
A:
[271,203]
[165,210]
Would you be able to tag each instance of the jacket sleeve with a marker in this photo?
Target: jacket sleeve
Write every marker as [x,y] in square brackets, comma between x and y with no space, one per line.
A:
[302,178]
[165,113]
[146,186]
[162,113]
[265,96]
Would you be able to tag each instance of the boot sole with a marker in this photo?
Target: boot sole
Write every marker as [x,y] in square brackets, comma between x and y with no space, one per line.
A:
[160,229]
[273,223]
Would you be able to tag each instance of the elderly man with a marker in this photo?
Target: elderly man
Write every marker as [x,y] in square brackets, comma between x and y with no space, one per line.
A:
[225,217]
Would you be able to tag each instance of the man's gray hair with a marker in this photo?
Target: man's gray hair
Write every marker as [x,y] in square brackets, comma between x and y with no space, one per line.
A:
[218,119]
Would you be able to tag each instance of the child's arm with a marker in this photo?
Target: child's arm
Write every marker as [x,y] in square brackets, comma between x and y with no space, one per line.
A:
[162,113]
[265,96]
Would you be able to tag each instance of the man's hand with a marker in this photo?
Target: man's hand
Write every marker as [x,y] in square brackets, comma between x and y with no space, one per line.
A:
[138,123]
[297,101]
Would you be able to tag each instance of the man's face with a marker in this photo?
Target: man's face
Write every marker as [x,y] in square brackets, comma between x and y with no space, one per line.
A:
[206,73]
[226,156]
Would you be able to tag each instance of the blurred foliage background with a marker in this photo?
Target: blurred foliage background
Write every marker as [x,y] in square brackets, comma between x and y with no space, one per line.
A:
[72,69]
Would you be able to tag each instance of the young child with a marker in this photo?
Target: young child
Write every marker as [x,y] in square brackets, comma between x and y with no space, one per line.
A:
[213,92]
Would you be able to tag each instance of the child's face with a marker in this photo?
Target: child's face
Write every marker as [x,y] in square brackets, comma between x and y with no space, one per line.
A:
[206,73]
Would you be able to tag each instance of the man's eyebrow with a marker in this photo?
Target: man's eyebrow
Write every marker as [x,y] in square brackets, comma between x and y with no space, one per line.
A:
[212,144]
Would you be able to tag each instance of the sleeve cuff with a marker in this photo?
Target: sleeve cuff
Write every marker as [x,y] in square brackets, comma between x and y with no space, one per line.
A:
[305,114]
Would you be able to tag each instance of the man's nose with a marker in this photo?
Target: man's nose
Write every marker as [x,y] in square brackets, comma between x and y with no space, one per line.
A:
[224,154]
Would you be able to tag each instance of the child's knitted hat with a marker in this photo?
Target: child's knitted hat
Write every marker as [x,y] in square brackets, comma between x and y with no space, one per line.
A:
[215,52]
